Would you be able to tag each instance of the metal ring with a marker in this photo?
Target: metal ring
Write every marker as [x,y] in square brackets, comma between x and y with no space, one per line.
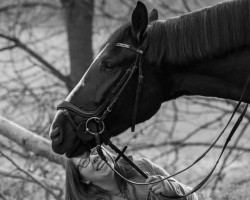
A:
[97,119]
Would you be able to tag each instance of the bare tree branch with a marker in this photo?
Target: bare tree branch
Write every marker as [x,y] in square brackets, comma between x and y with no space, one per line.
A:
[186,6]
[179,143]
[48,66]
[219,176]
[29,141]
[29,175]
[2,196]
[29,5]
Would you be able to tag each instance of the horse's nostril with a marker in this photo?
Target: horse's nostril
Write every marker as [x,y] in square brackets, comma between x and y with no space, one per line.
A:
[55,133]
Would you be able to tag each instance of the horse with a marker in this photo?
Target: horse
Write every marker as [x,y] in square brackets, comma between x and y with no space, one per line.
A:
[149,61]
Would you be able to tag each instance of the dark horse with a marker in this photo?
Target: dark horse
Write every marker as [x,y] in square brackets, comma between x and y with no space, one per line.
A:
[205,53]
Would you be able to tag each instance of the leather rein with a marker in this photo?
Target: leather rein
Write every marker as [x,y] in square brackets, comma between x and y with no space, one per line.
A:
[97,116]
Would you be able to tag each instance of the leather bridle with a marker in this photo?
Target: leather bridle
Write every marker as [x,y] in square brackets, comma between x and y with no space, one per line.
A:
[97,116]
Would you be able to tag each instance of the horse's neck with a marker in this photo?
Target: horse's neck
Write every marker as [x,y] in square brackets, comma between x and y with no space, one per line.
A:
[224,77]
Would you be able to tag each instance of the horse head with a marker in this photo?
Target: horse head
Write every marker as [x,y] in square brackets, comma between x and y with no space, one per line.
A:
[108,83]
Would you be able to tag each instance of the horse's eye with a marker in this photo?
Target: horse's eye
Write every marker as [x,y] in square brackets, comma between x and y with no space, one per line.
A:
[108,65]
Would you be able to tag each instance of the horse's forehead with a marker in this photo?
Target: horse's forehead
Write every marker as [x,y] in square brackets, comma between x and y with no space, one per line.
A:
[81,83]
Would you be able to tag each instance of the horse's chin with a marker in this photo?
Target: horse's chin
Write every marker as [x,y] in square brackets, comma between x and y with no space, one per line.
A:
[57,149]
[73,149]
[77,149]
[76,153]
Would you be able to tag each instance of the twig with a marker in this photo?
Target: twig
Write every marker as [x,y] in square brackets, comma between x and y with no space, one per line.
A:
[48,66]
[219,177]
[29,175]
[137,147]
[2,196]
[186,6]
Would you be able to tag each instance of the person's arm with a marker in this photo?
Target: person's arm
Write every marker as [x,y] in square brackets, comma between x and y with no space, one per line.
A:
[170,187]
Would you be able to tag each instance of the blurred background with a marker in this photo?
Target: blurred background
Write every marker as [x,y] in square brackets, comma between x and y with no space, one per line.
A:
[45,47]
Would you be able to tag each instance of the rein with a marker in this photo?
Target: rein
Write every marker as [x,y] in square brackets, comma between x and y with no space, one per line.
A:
[97,117]
[199,185]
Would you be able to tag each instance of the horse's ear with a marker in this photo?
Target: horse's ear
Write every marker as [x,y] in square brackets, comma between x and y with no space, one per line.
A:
[153,15]
[139,21]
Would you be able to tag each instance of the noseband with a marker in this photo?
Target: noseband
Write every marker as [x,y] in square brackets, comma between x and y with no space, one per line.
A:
[84,129]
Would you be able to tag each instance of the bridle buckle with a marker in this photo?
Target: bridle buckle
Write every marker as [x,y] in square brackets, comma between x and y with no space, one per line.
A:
[98,121]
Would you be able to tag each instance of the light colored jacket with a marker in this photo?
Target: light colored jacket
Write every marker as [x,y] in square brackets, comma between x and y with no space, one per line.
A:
[141,192]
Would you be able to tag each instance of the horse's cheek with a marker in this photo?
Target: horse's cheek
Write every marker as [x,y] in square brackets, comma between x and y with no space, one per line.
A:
[151,100]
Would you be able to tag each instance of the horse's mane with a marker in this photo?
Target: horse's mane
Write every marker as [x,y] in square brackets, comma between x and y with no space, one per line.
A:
[200,35]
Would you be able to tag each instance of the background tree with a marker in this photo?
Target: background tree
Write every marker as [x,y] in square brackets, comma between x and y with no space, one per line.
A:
[45,47]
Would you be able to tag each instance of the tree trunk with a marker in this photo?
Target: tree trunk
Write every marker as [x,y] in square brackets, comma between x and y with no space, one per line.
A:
[79,17]
[28,140]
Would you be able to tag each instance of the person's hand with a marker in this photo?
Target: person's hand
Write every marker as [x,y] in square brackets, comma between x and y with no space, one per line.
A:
[161,187]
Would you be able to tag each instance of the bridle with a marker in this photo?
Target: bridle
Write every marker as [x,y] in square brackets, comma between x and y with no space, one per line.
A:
[97,117]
